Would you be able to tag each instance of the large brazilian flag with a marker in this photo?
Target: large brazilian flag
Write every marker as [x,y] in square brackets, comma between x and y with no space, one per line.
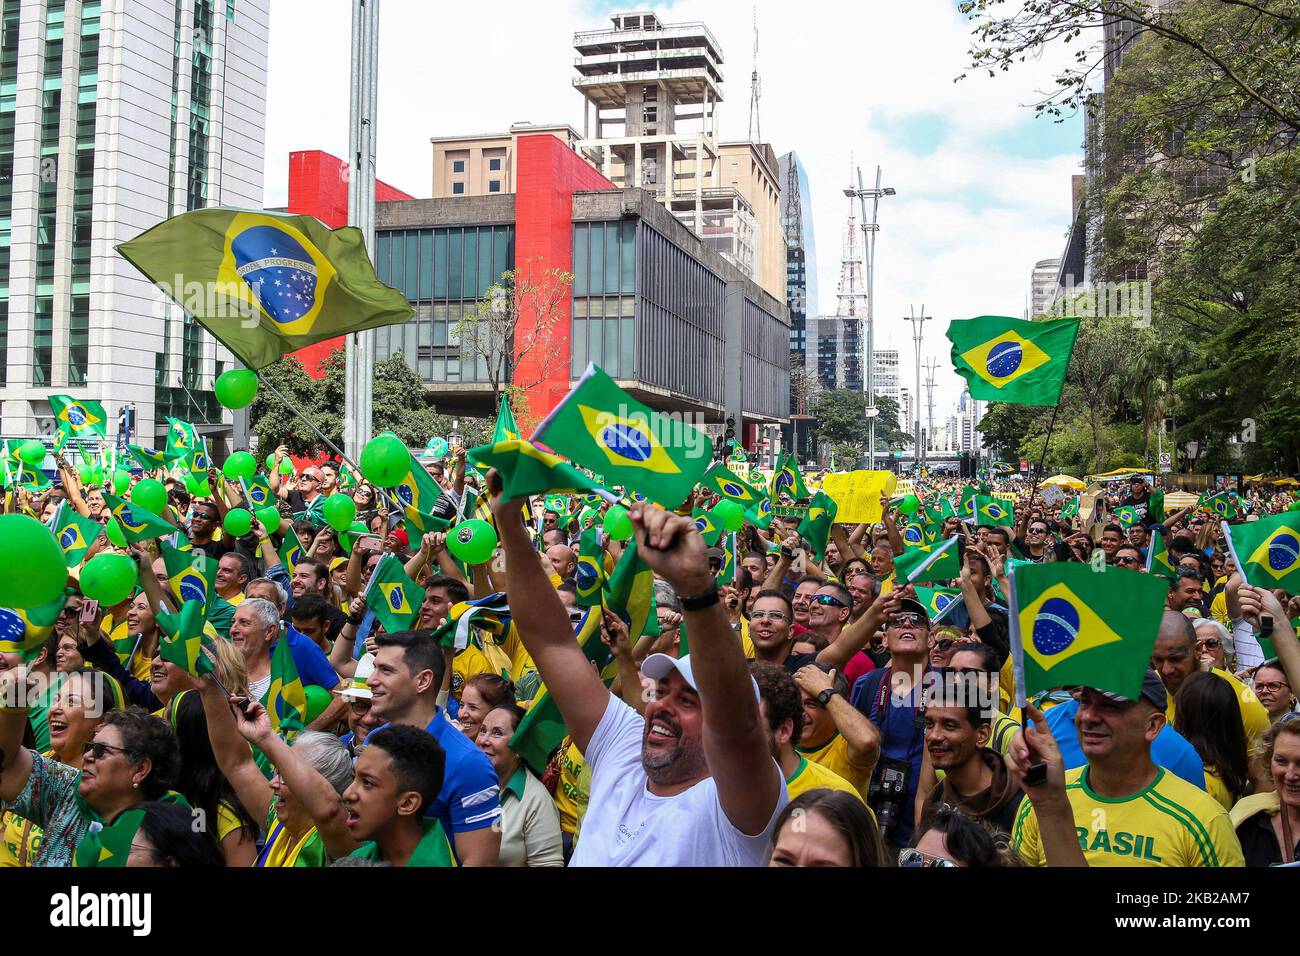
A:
[264,283]
[1013,360]
[1072,625]
[1268,551]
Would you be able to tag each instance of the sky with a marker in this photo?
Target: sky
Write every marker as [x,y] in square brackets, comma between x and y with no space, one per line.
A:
[983,185]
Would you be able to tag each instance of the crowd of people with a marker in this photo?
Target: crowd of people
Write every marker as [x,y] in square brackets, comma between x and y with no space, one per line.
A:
[804,712]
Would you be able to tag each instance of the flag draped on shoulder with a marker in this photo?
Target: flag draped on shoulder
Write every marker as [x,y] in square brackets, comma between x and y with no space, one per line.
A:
[1268,551]
[78,416]
[1072,625]
[602,427]
[266,283]
[468,620]
[1013,360]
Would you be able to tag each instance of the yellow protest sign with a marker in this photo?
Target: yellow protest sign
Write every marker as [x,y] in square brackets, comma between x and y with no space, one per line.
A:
[857,494]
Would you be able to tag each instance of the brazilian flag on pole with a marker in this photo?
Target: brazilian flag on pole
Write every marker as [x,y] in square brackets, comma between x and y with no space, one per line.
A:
[709,529]
[1127,516]
[602,427]
[183,639]
[1071,625]
[191,575]
[727,573]
[1158,556]
[966,505]
[1222,504]
[24,631]
[1070,508]
[590,573]
[416,494]
[286,699]
[138,524]
[1268,551]
[631,594]
[929,562]
[938,601]
[78,416]
[75,534]
[527,470]
[760,514]
[787,480]
[291,550]
[815,528]
[507,429]
[393,596]
[181,437]
[264,283]
[992,511]
[723,481]
[151,459]
[1013,360]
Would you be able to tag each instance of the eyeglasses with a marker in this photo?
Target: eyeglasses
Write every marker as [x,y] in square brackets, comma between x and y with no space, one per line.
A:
[913,859]
[309,478]
[767,615]
[93,748]
[1038,531]
[829,600]
[1272,687]
[960,671]
[908,619]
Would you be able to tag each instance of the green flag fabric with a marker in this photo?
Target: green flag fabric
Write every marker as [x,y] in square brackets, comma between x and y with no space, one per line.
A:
[527,470]
[815,528]
[393,596]
[589,577]
[151,459]
[992,511]
[181,436]
[1127,516]
[1158,557]
[929,562]
[787,480]
[78,416]
[708,528]
[265,283]
[1070,508]
[291,550]
[1072,625]
[416,494]
[1013,360]
[286,699]
[192,576]
[630,594]
[24,631]
[1268,551]
[75,534]
[182,642]
[137,523]
[938,601]
[602,427]
[507,429]
[723,481]
[1222,504]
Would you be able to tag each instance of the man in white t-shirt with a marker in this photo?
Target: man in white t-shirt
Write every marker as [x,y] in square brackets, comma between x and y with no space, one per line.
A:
[693,783]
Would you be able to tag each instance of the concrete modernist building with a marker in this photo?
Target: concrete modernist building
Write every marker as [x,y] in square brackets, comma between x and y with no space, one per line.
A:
[483,165]
[677,325]
[1042,287]
[115,115]
[650,119]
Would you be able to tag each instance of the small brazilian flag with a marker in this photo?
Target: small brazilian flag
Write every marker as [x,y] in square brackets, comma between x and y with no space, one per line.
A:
[938,601]
[183,640]
[1127,516]
[259,492]
[1268,551]
[815,528]
[1156,507]
[527,470]
[913,535]
[277,283]
[1070,508]
[760,515]
[1158,557]
[191,575]
[1222,504]
[137,523]
[929,562]
[151,459]
[507,429]
[393,596]
[559,504]
[630,594]
[723,481]
[787,480]
[709,529]
[195,460]
[416,493]
[286,699]
[75,534]
[602,427]
[992,511]
[181,436]
[1071,625]
[590,574]
[291,550]
[24,631]
[966,505]
[78,416]
[727,574]
[1013,360]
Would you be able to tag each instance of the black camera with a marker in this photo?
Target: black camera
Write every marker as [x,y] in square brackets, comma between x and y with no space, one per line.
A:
[887,792]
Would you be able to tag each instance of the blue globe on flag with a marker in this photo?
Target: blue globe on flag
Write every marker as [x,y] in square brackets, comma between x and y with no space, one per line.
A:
[278,270]
[1283,552]
[1056,627]
[1004,359]
[627,442]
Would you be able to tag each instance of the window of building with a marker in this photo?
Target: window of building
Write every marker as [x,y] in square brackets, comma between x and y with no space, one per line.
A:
[458,166]
[494,164]
[494,185]
[457,189]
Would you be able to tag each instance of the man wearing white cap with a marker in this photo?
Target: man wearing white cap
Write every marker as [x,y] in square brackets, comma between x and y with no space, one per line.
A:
[693,783]
[361,718]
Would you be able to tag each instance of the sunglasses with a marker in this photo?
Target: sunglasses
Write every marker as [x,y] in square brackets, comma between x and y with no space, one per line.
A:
[908,619]
[914,859]
[99,751]
[829,600]
[1127,561]
[943,643]
[1212,643]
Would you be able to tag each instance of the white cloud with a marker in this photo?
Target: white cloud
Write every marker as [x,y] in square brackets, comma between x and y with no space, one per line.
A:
[970,219]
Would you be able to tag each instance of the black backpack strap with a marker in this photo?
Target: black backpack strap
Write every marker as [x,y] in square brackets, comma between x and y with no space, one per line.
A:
[865,691]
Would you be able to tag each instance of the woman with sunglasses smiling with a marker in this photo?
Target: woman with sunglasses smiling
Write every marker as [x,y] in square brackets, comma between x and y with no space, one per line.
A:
[953,839]
[132,758]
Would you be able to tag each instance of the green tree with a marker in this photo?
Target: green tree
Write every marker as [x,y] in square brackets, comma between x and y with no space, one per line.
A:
[273,422]
[841,417]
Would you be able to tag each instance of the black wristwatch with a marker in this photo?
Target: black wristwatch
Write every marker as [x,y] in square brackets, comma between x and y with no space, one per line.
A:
[825,696]
[698,602]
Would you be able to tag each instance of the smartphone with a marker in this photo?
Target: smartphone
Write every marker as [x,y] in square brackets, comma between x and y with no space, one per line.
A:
[89,609]
[369,542]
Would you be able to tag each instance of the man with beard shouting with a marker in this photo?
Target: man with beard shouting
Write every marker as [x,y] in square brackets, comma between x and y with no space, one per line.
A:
[693,783]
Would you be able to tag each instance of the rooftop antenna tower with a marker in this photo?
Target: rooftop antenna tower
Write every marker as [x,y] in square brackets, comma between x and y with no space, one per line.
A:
[755,90]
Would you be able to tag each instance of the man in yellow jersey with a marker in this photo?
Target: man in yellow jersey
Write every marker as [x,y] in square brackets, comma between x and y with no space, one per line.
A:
[1174,658]
[782,708]
[836,735]
[1119,809]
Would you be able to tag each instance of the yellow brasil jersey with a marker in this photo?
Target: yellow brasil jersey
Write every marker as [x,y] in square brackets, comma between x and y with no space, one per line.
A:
[1170,823]
[488,659]
[813,776]
[20,839]
[574,788]
[834,755]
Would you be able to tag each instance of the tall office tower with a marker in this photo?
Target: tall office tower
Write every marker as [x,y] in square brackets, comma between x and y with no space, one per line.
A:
[115,115]
[800,265]
[840,338]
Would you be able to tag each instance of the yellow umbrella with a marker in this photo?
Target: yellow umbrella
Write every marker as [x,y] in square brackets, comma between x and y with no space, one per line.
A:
[1064,481]
[1120,473]
[1287,482]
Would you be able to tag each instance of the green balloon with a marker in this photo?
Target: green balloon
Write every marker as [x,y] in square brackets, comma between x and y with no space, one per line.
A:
[32,452]
[286,467]
[27,544]
[150,495]
[121,482]
[96,475]
[472,541]
[1295,506]
[350,534]
[239,521]
[270,517]
[236,388]
[339,510]
[318,698]
[113,531]
[909,504]
[108,578]
[385,461]
[239,465]
[85,473]
[617,523]
[438,447]
[728,515]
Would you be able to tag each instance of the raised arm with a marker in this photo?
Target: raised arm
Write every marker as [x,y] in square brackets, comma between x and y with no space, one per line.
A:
[789,547]
[856,635]
[234,759]
[1051,805]
[891,526]
[15,759]
[735,737]
[545,630]
[861,736]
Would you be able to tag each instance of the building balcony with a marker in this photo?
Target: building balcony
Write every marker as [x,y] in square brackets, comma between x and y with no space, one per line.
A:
[598,41]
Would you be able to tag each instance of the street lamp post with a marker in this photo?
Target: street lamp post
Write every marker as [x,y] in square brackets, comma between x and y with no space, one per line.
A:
[918,329]
[869,230]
